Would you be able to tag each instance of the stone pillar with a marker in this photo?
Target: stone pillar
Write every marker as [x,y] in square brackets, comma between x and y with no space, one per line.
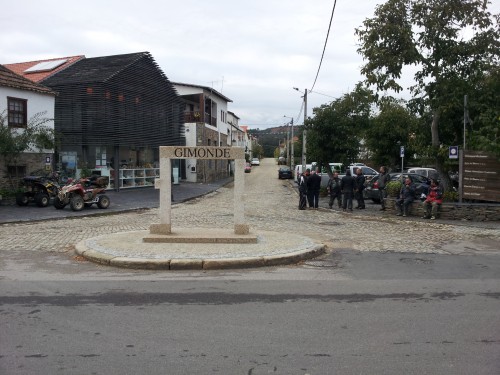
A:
[239,208]
[165,186]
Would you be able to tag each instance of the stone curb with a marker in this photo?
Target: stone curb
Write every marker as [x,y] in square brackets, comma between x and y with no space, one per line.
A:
[197,264]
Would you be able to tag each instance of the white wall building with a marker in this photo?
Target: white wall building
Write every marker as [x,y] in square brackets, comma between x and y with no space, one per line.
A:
[20,100]
[206,124]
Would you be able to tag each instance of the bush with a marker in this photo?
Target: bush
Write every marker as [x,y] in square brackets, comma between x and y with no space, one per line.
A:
[450,196]
[393,188]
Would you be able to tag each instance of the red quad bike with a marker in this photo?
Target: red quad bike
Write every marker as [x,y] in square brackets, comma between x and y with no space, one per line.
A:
[83,193]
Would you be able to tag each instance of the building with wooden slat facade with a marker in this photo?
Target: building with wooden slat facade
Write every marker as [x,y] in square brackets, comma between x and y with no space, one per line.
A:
[112,113]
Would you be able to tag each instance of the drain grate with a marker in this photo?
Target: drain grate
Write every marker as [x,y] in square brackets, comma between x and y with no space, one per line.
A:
[330,223]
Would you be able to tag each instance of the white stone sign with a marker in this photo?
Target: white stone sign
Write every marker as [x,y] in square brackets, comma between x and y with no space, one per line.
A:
[164,183]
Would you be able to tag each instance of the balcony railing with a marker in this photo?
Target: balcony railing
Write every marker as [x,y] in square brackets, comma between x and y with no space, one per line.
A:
[195,116]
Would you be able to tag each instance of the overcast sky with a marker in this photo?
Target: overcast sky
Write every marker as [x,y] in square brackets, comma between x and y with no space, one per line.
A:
[254,52]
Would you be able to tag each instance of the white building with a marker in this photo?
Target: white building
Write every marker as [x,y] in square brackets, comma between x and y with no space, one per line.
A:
[20,100]
[206,121]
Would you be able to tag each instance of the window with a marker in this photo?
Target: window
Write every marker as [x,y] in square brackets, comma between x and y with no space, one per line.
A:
[16,171]
[17,109]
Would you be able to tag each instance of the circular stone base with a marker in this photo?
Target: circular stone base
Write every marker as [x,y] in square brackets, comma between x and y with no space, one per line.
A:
[127,249]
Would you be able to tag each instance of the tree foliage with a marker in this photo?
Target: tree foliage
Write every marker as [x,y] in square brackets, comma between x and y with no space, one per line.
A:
[335,132]
[34,138]
[450,45]
[392,127]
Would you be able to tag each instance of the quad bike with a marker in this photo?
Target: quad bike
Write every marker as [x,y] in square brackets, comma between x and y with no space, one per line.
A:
[38,187]
[83,193]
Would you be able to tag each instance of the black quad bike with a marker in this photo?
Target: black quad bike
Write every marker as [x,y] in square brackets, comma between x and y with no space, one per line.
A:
[38,188]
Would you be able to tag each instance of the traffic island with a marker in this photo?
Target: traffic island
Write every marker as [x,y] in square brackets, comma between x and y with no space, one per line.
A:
[129,250]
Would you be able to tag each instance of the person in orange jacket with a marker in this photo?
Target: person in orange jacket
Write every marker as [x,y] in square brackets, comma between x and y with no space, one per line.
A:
[433,201]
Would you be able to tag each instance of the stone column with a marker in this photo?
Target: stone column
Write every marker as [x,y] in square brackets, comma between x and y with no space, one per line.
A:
[239,208]
[165,186]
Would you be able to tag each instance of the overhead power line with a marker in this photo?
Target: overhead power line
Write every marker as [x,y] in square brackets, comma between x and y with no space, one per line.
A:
[324,48]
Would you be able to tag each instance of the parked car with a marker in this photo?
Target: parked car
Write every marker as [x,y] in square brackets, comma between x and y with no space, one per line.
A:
[285,173]
[248,168]
[255,161]
[368,172]
[421,184]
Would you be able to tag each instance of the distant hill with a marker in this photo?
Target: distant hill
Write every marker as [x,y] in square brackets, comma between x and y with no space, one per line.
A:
[271,138]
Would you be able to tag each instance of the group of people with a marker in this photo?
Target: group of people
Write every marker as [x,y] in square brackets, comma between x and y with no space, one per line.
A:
[309,188]
[431,204]
[344,190]
[349,187]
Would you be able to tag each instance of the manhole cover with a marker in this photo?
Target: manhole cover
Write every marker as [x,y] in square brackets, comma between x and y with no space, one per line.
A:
[321,263]
[416,261]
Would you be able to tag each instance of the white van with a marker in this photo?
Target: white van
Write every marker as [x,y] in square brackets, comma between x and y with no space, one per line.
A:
[298,171]
[427,172]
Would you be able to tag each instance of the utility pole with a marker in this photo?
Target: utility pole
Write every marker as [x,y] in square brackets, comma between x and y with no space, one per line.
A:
[466,117]
[291,162]
[304,147]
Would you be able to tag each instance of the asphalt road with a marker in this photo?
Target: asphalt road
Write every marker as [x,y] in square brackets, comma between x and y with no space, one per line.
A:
[347,313]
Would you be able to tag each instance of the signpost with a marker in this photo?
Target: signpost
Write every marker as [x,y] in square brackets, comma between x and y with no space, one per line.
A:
[453,153]
[402,155]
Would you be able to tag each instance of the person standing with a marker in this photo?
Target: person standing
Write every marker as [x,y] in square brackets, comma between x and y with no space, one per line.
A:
[359,186]
[383,180]
[313,188]
[405,198]
[303,190]
[334,191]
[347,187]
[433,201]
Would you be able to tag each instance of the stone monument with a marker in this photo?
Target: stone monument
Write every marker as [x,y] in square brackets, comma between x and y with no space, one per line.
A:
[163,232]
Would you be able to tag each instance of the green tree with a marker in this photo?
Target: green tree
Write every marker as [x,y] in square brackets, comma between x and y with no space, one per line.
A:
[392,127]
[14,142]
[335,132]
[449,44]
[484,108]
[257,151]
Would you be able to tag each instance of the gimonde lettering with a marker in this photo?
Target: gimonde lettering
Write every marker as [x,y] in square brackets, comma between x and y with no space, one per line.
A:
[174,152]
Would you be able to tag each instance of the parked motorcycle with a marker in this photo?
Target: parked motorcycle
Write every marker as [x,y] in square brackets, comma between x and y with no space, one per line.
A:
[83,193]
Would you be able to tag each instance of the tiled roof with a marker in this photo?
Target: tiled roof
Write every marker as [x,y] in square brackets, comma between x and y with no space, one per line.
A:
[38,76]
[97,69]
[10,79]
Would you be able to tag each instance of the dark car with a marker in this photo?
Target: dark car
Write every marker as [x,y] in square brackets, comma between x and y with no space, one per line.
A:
[285,173]
[421,184]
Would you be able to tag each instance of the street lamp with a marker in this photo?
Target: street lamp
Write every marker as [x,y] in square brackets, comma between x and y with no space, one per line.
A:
[291,160]
[304,148]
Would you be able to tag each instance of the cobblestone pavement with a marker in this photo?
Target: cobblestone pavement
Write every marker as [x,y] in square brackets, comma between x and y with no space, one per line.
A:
[270,205]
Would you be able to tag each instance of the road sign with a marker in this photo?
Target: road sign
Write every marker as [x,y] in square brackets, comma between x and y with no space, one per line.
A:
[453,154]
[402,152]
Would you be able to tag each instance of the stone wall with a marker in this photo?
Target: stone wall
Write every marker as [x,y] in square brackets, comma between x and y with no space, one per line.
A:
[455,211]
[32,162]
[210,170]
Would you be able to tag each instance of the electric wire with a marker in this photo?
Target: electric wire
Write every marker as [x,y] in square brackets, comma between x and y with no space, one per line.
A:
[324,48]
